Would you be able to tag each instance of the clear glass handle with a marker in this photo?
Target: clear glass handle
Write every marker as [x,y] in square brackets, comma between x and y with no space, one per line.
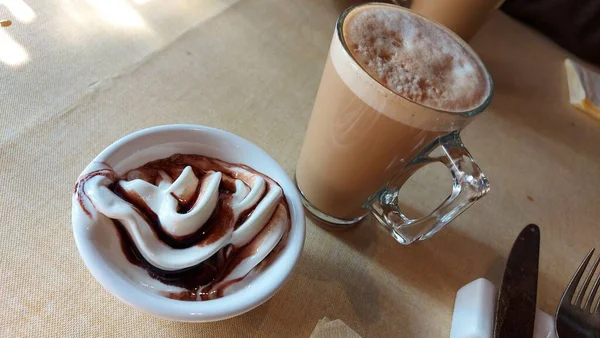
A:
[469,185]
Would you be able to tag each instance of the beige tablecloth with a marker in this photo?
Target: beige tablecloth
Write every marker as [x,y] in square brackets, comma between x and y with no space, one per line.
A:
[77,75]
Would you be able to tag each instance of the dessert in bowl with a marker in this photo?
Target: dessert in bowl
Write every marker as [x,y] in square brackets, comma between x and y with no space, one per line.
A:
[187,222]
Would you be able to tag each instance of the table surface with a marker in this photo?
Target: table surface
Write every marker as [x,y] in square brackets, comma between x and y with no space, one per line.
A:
[76,76]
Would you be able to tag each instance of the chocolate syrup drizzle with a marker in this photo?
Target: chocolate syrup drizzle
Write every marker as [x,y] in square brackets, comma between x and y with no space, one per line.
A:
[201,277]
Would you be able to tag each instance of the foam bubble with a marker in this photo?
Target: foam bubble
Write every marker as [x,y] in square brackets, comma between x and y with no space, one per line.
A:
[415,58]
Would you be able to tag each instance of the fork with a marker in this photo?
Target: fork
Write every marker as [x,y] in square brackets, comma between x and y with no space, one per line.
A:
[578,317]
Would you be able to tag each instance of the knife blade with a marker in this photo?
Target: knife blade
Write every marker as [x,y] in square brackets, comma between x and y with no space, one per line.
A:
[515,310]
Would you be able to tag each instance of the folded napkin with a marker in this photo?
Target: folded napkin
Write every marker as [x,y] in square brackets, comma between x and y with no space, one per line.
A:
[327,328]
[584,88]
[474,310]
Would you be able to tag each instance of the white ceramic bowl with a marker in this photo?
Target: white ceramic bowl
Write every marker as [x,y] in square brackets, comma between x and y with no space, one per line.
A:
[106,264]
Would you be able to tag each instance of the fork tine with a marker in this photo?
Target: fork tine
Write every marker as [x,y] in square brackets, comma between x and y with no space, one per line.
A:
[590,299]
[586,283]
[588,304]
[570,291]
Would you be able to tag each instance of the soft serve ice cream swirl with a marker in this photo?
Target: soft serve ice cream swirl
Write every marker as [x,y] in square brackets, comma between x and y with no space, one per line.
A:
[200,227]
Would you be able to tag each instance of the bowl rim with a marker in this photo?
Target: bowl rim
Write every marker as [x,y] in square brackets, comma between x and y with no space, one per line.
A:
[263,287]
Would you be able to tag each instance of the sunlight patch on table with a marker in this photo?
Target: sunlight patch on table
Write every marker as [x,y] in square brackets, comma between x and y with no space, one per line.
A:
[118,13]
[73,13]
[11,52]
[20,10]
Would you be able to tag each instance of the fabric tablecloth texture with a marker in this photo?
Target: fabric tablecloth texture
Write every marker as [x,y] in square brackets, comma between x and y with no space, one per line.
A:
[78,75]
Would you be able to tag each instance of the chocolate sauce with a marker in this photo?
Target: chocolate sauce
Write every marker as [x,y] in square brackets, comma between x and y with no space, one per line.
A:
[191,278]
[245,214]
[79,189]
[219,223]
[197,280]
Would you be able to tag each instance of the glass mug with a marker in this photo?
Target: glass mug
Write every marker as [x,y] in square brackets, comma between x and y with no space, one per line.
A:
[356,157]
[463,17]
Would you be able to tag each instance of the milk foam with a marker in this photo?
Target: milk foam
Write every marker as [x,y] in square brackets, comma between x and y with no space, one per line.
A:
[411,57]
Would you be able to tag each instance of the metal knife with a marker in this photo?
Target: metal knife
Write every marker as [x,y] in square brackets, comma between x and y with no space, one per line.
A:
[515,310]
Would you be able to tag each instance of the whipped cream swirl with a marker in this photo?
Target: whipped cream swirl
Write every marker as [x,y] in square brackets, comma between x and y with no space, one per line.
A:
[196,224]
